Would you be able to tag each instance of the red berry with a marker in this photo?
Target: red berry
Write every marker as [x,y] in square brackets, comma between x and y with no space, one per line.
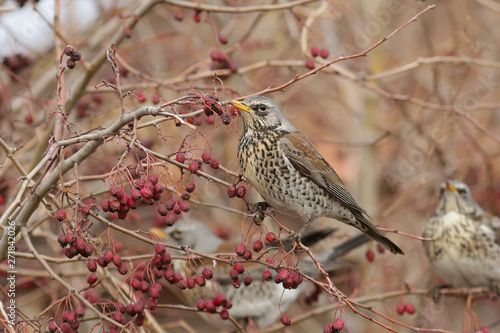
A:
[160,249]
[153,178]
[241,191]
[310,64]
[270,237]
[108,256]
[162,210]
[191,282]
[138,307]
[410,308]
[68,50]
[282,275]
[180,158]
[144,286]
[236,283]
[116,191]
[207,273]
[267,275]
[285,319]
[485,329]
[106,205]
[258,245]
[222,39]
[91,265]
[62,240]
[196,17]
[71,63]
[28,119]
[380,248]
[200,304]
[92,278]
[61,215]
[233,274]
[190,187]
[122,269]
[400,308]
[231,191]
[135,284]
[324,53]
[219,299]
[193,167]
[135,194]
[52,327]
[80,244]
[247,255]
[240,249]
[139,183]
[247,280]
[338,325]
[314,51]
[76,55]
[209,306]
[224,314]
[328,328]
[370,255]
[239,267]
[146,193]
[117,260]
[214,163]
[141,97]
[206,157]
[200,280]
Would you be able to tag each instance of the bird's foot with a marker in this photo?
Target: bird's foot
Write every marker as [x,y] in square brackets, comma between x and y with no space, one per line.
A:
[495,290]
[435,292]
[258,211]
[294,237]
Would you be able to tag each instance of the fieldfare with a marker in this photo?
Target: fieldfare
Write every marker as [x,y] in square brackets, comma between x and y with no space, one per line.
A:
[290,173]
[261,300]
[466,247]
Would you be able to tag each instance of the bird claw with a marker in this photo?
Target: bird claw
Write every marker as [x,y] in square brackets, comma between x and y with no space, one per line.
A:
[258,211]
[435,292]
[294,237]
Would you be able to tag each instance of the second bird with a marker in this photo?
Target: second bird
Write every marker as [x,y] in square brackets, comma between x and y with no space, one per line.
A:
[290,173]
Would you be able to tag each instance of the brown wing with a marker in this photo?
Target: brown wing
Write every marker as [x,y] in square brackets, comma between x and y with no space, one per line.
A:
[309,162]
[494,223]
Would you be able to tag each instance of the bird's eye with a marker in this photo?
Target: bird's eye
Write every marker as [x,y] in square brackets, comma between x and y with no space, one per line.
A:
[461,191]
[263,107]
[176,234]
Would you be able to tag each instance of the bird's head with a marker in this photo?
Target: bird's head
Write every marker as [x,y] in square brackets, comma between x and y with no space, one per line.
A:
[192,233]
[455,196]
[261,113]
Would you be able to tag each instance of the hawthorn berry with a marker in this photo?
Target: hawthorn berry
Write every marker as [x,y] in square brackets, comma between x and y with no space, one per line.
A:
[231,191]
[370,255]
[285,319]
[61,215]
[193,167]
[323,53]
[180,157]
[338,325]
[270,237]
[314,51]
[200,304]
[310,64]
[258,245]
[410,308]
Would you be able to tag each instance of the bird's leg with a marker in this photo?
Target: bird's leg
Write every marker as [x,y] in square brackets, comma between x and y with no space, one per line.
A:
[297,236]
[435,292]
[258,209]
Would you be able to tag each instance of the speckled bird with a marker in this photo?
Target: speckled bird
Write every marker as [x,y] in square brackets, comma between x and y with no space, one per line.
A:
[466,247]
[290,173]
[262,300]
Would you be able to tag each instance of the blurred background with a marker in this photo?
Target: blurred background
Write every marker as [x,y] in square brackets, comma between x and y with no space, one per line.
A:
[421,107]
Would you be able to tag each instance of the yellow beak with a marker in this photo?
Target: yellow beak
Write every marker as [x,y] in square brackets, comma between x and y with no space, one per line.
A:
[241,106]
[450,187]
[160,233]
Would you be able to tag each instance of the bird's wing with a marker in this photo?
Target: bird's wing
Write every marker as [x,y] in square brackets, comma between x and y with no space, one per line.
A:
[309,162]
[493,222]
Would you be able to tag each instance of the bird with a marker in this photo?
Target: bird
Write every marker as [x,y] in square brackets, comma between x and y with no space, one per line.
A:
[291,174]
[261,301]
[465,246]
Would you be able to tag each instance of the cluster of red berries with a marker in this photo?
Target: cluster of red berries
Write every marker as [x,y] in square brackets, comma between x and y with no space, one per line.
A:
[196,164]
[103,261]
[17,62]
[146,192]
[212,105]
[233,191]
[220,60]
[370,255]
[73,55]
[70,321]
[408,307]
[73,245]
[211,305]
[336,326]
[316,51]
